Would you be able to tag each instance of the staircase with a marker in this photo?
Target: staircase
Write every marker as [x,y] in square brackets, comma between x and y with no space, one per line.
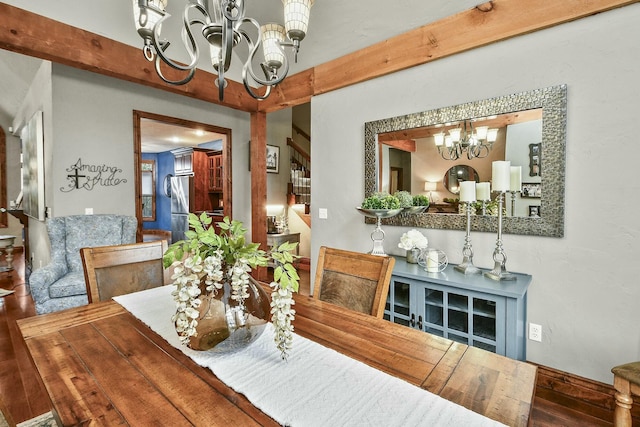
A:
[299,187]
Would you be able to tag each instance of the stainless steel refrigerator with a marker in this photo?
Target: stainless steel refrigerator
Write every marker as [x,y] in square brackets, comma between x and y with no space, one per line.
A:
[181,205]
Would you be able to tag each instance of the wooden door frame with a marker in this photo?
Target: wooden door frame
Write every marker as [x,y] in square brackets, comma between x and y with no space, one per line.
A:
[137,155]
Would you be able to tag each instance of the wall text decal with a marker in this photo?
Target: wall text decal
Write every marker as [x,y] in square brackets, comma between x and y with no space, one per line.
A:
[87,177]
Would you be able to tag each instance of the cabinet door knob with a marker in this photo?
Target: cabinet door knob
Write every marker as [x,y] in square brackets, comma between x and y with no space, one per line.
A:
[413,320]
[420,322]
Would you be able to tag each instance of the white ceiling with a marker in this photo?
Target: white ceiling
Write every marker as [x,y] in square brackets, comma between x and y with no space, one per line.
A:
[336,28]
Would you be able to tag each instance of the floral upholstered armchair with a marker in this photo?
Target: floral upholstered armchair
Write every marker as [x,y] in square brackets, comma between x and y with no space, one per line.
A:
[60,284]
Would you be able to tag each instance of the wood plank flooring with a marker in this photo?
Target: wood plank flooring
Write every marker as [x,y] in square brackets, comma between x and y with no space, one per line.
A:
[24,396]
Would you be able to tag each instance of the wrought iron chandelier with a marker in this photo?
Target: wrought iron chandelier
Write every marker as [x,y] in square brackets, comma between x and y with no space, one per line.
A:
[224,25]
[463,140]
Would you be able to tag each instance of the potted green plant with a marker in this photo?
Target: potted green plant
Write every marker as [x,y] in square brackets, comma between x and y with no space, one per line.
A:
[218,304]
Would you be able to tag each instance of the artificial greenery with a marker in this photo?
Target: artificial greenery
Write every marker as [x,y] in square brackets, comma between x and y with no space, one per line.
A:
[381,201]
[420,200]
[215,259]
[405,198]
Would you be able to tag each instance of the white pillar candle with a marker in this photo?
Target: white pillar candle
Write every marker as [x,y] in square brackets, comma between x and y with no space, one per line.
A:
[516,178]
[468,191]
[500,175]
[432,261]
[483,191]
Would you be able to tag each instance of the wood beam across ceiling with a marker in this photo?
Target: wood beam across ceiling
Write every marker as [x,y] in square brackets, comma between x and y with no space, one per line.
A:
[35,35]
[487,23]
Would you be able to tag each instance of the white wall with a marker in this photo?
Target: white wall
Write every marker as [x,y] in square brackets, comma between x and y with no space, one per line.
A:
[91,118]
[585,289]
[39,97]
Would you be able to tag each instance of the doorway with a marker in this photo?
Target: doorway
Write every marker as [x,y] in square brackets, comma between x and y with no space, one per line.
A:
[161,138]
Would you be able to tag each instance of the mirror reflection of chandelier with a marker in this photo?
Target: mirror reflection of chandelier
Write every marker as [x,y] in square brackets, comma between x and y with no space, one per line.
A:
[224,26]
[466,140]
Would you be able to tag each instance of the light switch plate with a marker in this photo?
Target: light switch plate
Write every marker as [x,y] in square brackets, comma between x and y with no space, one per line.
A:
[322,213]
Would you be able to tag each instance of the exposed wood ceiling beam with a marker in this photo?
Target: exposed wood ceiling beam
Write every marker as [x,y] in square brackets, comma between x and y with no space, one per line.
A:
[487,23]
[38,36]
[35,35]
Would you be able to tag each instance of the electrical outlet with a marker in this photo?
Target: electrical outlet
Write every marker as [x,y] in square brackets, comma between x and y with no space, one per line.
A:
[535,332]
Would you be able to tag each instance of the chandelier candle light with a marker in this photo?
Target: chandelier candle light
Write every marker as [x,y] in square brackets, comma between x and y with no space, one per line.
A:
[515,186]
[224,25]
[467,196]
[501,182]
[463,139]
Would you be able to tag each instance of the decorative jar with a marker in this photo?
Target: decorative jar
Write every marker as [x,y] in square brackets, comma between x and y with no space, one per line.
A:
[413,255]
[226,325]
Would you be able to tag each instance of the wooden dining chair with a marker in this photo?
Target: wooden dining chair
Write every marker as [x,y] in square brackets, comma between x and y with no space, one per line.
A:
[626,380]
[121,269]
[353,280]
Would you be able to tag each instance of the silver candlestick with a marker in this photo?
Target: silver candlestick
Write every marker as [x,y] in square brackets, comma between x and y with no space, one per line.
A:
[513,202]
[499,271]
[467,266]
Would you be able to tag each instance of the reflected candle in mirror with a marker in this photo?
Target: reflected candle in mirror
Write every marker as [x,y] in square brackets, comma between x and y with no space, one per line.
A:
[501,175]
[468,191]
[516,178]
[483,191]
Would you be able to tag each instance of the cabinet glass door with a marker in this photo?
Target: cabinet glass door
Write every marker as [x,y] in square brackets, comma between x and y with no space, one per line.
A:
[484,324]
[397,307]
[463,317]
[434,312]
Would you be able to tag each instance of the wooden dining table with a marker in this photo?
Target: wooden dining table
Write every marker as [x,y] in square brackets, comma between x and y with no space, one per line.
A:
[103,366]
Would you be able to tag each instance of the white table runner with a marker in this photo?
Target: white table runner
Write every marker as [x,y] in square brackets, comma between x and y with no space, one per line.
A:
[316,386]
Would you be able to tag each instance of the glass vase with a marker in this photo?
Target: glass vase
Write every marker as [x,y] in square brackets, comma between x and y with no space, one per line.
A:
[227,325]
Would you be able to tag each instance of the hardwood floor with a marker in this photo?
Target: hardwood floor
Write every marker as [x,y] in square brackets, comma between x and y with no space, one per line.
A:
[24,396]
[21,389]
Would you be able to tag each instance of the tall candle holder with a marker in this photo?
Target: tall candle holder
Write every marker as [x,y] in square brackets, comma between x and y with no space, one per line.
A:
[467,266]
[499,271]
[513,202]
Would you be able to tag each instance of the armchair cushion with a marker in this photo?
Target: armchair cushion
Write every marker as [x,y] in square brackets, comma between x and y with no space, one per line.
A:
[68,285]
[60,284]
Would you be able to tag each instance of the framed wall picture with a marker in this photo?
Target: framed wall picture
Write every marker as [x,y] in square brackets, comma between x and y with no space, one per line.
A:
[273,159]
[532,189]
[534,211]
[32,137]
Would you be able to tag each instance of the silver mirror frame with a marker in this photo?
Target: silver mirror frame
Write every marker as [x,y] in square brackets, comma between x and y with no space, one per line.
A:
[552,100]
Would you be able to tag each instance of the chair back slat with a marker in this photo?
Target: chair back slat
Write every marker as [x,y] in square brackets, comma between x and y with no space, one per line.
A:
[353,280]
[121,269]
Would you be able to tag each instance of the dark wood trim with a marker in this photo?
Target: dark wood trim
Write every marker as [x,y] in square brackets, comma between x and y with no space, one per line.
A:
[258,153]
[299,150]
[35,35]
[301,132]
[404,145]
[484,24]
[227,199]
[589,397]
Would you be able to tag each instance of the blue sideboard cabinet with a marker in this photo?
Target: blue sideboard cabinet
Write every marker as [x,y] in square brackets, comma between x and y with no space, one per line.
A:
[470,309]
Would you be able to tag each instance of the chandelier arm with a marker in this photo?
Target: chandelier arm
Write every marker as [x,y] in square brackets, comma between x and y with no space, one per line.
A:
[187,79]
[187,40]
[254,94]
[482,151]
[227,42]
